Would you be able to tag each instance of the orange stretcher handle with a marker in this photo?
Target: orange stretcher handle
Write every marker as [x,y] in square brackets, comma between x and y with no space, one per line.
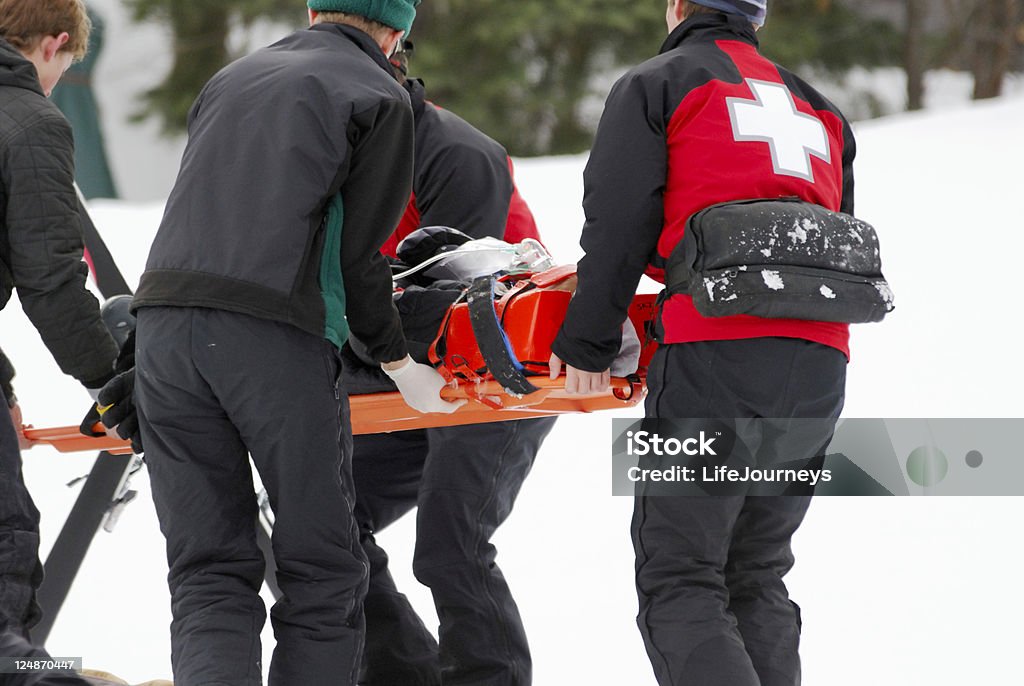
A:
[68,439]
[386,412]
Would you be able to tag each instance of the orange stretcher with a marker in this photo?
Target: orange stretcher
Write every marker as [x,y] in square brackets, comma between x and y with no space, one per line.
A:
[386,412]
[529,313]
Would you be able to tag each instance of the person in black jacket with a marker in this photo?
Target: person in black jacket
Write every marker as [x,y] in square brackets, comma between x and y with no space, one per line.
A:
[463,480]
[297,167]
[454,163]
[709,121]
[40,257]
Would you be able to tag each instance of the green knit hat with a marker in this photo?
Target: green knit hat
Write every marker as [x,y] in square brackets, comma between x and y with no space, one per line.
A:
[398,14]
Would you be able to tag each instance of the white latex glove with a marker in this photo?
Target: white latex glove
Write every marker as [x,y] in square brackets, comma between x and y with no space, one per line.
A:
[628,359]
[420,386]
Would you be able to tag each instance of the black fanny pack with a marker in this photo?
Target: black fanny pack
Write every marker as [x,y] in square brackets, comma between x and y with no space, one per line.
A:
[782,258]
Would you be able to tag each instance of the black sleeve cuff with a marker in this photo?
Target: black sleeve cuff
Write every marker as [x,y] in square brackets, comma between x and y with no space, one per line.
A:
[583,355]
[99,383]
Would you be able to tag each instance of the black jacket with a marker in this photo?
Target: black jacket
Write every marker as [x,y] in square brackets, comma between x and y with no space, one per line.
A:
[40,228]
[448,148]
[273,138]
[463,179]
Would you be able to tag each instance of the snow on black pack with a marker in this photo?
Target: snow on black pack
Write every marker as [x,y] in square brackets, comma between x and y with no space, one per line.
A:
[782,258]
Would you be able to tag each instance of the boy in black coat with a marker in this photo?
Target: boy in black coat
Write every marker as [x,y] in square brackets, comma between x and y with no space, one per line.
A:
[41,248]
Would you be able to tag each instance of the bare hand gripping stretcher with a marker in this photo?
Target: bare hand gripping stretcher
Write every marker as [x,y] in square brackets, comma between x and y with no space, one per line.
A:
[493,347]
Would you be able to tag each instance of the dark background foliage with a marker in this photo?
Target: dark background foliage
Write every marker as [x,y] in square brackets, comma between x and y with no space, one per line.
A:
[532,73]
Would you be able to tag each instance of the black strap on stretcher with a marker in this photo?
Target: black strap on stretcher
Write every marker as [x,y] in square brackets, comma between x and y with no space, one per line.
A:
[492,340]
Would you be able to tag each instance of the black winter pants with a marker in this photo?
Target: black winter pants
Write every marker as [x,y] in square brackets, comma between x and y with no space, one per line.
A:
[464,481]
[714,610]
[215,388]
[20,569]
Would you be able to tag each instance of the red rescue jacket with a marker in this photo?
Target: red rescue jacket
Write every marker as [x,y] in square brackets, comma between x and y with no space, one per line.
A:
[707,121]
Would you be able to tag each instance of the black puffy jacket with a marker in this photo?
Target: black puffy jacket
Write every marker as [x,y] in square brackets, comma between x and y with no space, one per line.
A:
[40,228]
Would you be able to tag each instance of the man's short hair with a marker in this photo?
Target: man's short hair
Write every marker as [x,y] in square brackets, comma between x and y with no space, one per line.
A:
[375,29]
[24,23]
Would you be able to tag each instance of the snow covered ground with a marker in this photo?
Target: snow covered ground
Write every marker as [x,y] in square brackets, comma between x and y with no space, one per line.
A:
[897,591]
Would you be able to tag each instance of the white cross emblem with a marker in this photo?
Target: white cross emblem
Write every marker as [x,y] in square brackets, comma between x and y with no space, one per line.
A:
[771,117]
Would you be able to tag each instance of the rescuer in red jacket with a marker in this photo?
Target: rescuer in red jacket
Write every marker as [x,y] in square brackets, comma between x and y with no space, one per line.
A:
[709,120]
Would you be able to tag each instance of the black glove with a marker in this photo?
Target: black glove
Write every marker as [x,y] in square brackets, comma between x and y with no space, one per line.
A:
[125,419]
[92,418]
[118,396]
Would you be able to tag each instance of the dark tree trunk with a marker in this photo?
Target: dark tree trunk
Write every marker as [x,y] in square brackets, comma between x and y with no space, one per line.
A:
[995,30]
[913,54]
[198,31]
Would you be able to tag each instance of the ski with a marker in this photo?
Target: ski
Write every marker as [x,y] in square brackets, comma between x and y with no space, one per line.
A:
[264,528]
[104,270]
